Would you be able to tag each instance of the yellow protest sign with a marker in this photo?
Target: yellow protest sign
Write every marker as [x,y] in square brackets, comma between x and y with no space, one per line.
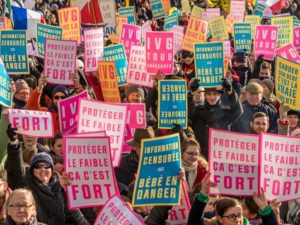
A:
[196,32]
[287,82]
[166,5]
[69,21]
[285,30]
[108,81]
[218,28]
[120,21]
[229,23]
[197,11]
[186,6]
[254,21]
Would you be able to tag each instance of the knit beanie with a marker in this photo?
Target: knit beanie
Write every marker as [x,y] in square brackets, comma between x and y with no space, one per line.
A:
[61,89]
[134,88]
[269,84]
[42,157]
[21,84]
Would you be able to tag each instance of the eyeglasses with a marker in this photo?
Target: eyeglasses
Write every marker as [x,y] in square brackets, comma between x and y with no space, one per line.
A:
[19,206]
[233,217]
[42,165]
[23,93]
[192,154]
[59,97]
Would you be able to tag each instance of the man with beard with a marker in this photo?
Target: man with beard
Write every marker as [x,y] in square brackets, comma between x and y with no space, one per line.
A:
[259,123]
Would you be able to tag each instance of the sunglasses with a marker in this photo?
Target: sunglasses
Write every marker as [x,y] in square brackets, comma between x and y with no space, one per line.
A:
[59,97]
[42,165]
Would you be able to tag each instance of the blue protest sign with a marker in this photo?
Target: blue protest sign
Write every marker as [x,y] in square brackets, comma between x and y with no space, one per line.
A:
[172,103]
[242,37]
[14,51]
[46,31]
[129,13]
[209,63]
[5,92]
[157,180]
[170,21]
[259,10]
[117,53]
[157,9]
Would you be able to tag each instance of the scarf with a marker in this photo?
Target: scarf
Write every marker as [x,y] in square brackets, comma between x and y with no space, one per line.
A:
[190,172]
[19,104]
[293,216]
[31,221]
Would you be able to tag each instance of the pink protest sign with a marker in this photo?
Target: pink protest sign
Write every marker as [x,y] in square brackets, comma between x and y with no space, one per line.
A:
[178,37]
[212,13]
[116,212]
[146,27]
[88,162]
[280,165]
[136,69]
[297,38]
[227,49]
[159,52]
[131,35]
[233,162]
[265,41]
[100,133]
[93,48]
[60,61]
[68,113]
[237,10]
[179,214]
[95,116]
[136,118]
[32,123]
[288,52]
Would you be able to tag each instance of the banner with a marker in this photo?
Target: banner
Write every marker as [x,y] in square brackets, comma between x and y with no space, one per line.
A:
[166,5]
[227,49]
[93,48]
[5,92]
[178,37]
[96,116]
[159,52]
[145,28]
[237,10]
[265,41]
[254,21]
[45,31]
[108,81]
[129,13]
[117,53]
[13,51]
[197,11]
[116,212]
[108,11]
[170,21]
[172,103]
[136,69]
[242,37]
[209,63]
[68,112]
[233,162]
[69,21]
[157,181]
[280,176]
[288,52]
[229,21]
[60,61]
[186,6]
[211,13]
[32,123]
[285,30]
[157,9]
[287,82]
[218,28]
[131,35]
[195,32]
[87,160]
[259,10]
[297,38]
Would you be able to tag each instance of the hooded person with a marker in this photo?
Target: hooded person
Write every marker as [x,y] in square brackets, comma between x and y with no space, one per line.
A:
[241,68]
[21,94]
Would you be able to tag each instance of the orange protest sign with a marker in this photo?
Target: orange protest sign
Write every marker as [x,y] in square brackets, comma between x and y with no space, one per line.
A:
[108,81]
[69,21]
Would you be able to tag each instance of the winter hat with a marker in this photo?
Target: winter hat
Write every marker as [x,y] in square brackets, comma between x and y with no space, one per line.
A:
[269,84]
[61,89]
[42,157]
[254,88]
[293,112]
[240,57]
[21,84]
[134,88]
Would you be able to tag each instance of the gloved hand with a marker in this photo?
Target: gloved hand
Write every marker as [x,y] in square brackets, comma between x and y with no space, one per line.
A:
[179,129]
[195,85]
[227,84]
[11,133]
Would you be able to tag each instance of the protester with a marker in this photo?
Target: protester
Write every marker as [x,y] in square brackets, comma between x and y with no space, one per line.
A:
[21,94]
[4,193]
[259,123]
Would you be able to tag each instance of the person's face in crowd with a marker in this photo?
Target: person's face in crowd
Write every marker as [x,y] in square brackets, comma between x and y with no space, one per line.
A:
[29,142]
[20,208]
[42,171]
[23,94]
[198,96]
[253,98]
[264,73]
[188,60]
[293,120]
[58,96]
[240,64]
[210,204]
[266,90]
[3,187]
[212,97]
[190,154]
[134,97]
[232,216]
[260,125]
[251,60]
[57,147]
[249,215]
